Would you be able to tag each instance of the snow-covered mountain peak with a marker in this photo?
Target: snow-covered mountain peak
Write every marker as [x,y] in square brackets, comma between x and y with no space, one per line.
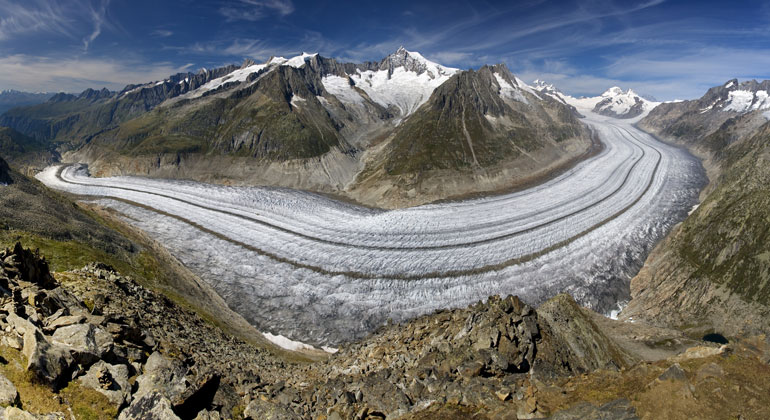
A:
[404,80]
[542,85]
[415,62]
[613,91]
[299,60]
[734,96]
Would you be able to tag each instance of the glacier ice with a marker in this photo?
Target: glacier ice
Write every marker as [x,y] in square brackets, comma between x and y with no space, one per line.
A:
[308,268]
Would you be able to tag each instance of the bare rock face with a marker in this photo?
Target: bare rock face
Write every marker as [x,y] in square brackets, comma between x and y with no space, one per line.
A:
[575,342]
[27,266]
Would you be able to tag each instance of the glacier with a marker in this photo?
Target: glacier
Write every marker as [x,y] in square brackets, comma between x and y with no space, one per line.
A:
[308,268]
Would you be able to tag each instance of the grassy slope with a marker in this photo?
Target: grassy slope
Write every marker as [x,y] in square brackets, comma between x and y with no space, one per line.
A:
[727,240]
[714,270]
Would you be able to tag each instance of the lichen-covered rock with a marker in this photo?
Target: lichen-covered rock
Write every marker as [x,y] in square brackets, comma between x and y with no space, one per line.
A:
[574,343]
[110,380]
[265,410]
[48,362]
[8,393]
[87,342]
[614,410]
[151,406]
[162,375]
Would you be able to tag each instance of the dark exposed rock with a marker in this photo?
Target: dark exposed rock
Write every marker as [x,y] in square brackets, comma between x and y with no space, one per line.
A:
[28,266]
[576,343]
[5,173]
[614,410]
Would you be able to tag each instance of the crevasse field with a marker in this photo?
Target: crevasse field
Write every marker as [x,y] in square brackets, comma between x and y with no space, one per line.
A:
[316,270]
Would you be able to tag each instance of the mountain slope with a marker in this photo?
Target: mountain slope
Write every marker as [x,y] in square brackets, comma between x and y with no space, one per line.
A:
[689,122]
[314,123]
[713,271]
[486,128]
[25,152]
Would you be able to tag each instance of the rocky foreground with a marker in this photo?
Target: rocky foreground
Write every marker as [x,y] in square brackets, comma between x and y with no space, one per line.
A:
[91,343]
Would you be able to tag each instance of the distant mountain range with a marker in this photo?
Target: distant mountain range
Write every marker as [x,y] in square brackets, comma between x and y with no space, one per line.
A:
[13,98]
[397,132]
[612,103]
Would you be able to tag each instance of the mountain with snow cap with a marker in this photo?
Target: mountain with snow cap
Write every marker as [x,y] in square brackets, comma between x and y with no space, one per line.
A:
[614,102]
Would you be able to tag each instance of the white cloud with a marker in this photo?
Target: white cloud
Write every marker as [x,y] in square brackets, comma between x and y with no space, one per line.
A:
[253,10]
[162,33]
[41,74]
[98,17]
[17,18]
[65,17]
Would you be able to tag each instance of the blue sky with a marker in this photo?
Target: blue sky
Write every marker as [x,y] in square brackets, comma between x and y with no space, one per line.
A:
[667,49]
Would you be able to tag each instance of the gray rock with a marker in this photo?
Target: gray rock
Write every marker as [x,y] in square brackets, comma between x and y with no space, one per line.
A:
[49,362]
[151,406]
[208,415]
[86,342]
[64,321]
[166,376]
[110,380]
[673,373]
[8,393]
[13,413]
[265,410]
[615,410]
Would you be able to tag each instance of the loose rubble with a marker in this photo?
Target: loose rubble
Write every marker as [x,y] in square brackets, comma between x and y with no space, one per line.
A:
[148,358]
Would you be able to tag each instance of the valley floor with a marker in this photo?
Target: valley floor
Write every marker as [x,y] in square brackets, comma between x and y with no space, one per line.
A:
[325,272]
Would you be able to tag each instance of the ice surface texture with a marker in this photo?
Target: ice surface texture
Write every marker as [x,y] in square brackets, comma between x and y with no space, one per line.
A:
[320,271]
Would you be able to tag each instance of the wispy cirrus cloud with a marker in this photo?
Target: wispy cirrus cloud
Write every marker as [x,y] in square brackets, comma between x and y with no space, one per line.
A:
[98,15]
[254,10]
[67,18]
[162,33]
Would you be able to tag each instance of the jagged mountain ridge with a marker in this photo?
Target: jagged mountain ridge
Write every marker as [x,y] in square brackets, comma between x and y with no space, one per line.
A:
[690,121]
[614,102]
[315,123]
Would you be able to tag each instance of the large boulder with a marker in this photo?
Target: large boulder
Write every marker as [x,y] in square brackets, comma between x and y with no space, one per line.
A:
[164,376]
[8,393]
[86,342]
[151,406]
[110,380]
[572,342]
[47,361]
[264,410]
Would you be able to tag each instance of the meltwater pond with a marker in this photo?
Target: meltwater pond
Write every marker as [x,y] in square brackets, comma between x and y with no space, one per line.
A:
[316,270]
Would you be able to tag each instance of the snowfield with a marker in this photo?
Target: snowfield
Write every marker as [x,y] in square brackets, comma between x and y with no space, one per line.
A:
[308,268]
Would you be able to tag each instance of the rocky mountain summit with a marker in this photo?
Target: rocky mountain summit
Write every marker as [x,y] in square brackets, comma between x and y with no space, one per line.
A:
[94,344]
[690,122]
